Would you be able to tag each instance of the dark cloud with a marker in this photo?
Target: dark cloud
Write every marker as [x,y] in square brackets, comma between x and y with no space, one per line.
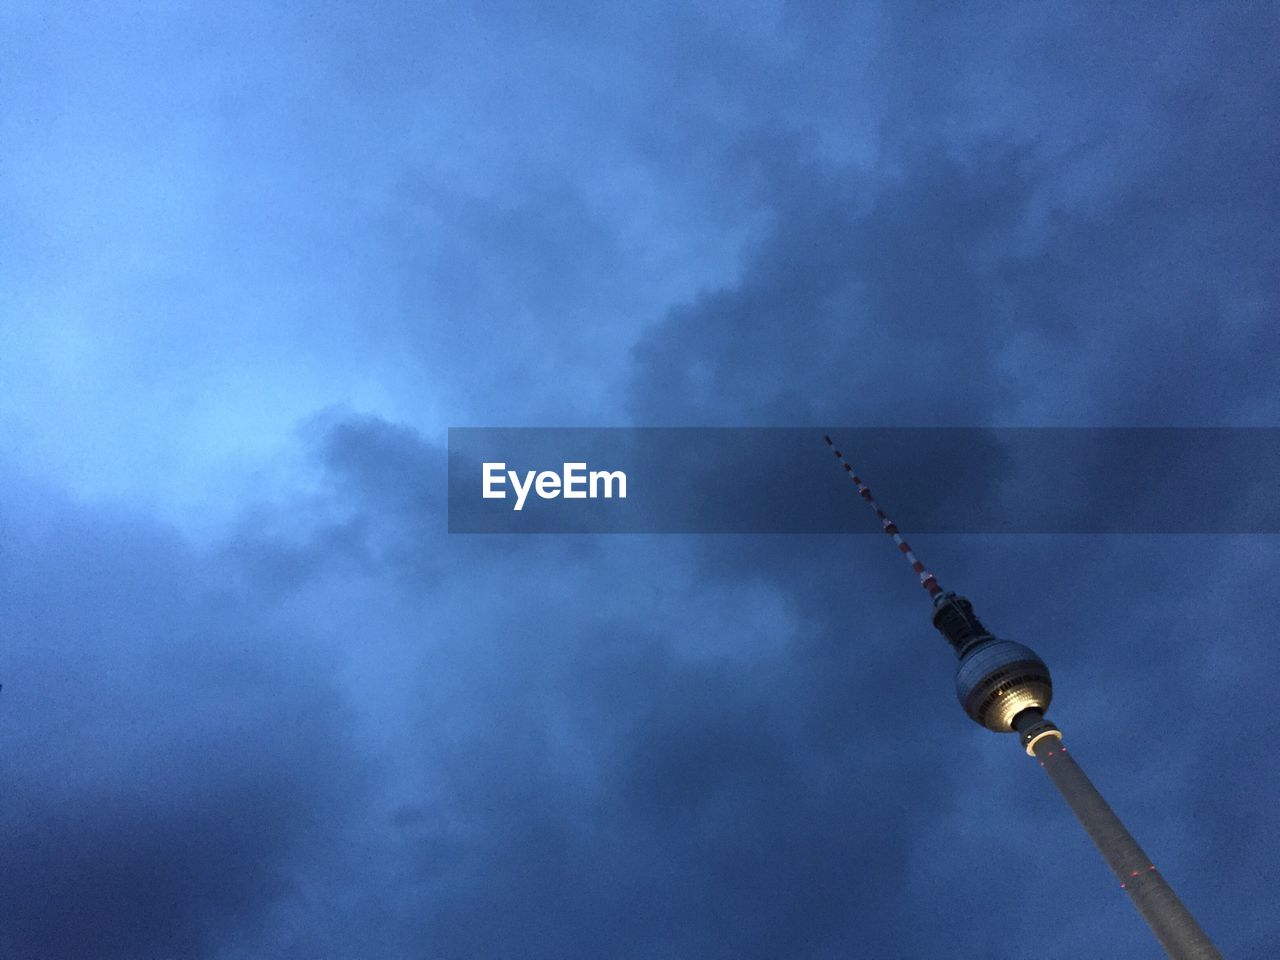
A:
[1117,275]
[587,784]
[336,730]
[173,758]
[733,747]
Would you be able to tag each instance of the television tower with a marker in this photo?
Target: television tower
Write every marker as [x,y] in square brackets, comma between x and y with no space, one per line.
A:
[1005,687]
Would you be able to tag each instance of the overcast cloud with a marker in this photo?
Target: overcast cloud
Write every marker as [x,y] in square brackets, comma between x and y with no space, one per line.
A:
[258,703]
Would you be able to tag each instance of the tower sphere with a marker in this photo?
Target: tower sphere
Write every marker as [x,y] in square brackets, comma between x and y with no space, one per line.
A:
[998,679]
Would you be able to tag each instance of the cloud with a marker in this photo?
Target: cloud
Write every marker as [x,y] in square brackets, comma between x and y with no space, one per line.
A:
[173,756]
[335,730]
[751,742]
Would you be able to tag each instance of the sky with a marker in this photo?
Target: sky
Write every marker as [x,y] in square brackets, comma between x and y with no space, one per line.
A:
[258,258]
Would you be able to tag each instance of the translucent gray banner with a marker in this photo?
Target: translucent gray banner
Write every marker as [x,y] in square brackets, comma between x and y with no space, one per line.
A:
[930,480]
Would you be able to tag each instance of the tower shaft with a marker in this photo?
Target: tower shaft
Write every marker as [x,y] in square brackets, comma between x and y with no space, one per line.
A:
[1169,919]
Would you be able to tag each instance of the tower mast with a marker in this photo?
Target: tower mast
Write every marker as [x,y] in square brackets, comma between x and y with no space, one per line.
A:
[1005,687]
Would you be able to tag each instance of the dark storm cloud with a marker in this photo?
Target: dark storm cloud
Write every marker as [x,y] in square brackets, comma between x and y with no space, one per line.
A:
[843,309]
[340,732]
[592,785]
[633,757]
[989,280]
[172,759]
[587,784]
[1084,265]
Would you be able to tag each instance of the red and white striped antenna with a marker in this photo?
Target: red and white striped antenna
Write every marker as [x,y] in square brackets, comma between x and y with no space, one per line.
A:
[927,579]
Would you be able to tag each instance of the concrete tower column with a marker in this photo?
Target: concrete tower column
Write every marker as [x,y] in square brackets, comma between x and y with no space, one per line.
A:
[1171,922]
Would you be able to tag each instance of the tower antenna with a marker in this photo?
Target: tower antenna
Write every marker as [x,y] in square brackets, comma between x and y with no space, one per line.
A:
[1005,687]
[927,579]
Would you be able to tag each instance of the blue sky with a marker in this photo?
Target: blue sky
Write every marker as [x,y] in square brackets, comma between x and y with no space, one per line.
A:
[258,258]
